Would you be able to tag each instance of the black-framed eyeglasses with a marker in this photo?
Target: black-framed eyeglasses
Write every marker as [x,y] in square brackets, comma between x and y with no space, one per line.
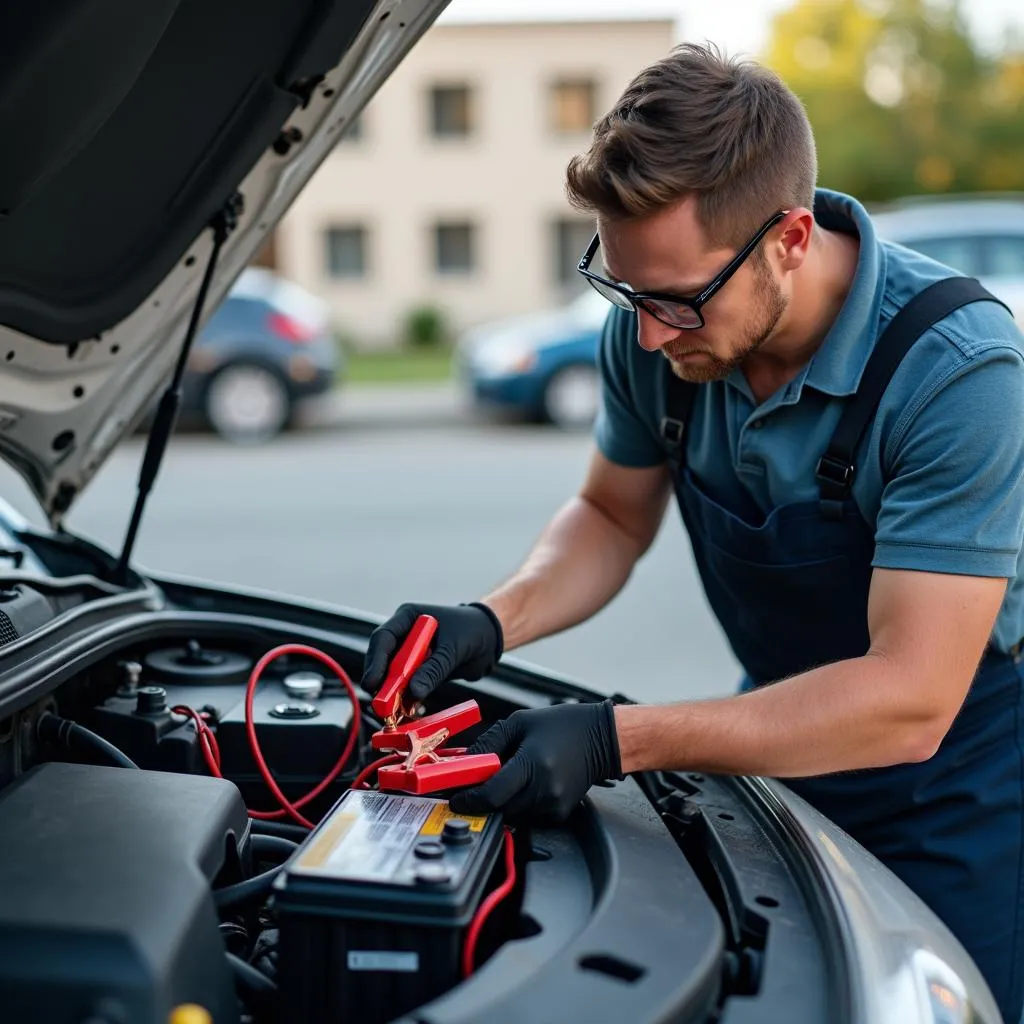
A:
[673,310]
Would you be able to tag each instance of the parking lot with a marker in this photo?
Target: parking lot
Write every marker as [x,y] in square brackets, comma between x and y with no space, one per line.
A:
[397,494]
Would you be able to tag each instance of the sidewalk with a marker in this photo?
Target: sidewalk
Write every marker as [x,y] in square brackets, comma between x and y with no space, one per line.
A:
[383,405]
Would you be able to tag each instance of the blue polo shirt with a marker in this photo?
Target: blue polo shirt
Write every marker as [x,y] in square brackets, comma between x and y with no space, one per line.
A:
[940,473]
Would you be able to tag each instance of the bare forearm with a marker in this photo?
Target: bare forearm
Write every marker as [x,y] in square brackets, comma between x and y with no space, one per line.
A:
[579,563]
[840,717]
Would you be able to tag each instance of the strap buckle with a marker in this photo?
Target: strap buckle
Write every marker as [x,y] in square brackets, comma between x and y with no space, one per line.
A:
[834,470]
[672,430]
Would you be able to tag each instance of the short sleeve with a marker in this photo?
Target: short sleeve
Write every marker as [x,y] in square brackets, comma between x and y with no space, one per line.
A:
[954,500]
[620,430]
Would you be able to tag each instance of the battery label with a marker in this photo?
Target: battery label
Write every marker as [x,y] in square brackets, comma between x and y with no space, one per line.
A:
[368,837]
[434,825]
[383,960]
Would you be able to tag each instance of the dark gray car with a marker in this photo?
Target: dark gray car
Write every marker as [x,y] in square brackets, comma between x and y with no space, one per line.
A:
[265,349]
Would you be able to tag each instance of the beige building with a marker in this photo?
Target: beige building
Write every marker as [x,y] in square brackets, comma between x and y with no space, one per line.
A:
[448,190]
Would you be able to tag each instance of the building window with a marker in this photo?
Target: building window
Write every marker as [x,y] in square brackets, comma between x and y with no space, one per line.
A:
[572,106]
[346,251]
[454,246]
[570,240]
[451,114]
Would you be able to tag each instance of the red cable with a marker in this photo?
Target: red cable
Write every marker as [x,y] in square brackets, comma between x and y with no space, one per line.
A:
[360,779]
[207,740]
[254,743]
[484,911]
[211,750]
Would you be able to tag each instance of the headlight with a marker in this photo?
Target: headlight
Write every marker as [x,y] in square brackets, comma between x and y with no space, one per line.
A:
[940,990]
[500,356]
[904,966]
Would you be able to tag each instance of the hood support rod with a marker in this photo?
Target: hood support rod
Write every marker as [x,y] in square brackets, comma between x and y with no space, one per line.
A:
[225,221]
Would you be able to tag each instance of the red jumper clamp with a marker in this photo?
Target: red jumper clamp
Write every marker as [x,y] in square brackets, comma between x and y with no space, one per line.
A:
[424,770]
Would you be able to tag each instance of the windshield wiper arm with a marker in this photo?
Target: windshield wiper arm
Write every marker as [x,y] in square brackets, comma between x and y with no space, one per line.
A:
[167,412]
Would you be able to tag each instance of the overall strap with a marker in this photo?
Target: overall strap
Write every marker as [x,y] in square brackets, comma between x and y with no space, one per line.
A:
[836,467]
[679,399]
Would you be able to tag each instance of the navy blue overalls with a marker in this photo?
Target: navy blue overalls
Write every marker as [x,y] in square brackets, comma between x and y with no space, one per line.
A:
[791,593]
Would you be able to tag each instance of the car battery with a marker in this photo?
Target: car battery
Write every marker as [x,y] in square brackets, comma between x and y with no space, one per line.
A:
[374,907]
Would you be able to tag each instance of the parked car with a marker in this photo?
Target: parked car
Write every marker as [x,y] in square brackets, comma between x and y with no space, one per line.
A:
[157,733]
[266,349]
[541,366]
[978,235]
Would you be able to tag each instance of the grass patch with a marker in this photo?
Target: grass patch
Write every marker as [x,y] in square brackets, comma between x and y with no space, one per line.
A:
[401,366]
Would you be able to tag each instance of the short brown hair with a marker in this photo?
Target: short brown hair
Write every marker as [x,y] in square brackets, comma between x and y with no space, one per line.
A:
[698,122]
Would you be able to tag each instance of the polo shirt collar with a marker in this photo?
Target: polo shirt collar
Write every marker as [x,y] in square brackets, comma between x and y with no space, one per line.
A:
[837,366]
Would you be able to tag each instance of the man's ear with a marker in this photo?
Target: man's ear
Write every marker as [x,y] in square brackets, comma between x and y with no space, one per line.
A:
[792,238]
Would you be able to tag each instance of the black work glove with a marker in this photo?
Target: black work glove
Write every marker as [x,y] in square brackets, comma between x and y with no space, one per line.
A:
[552,757]
[467,645]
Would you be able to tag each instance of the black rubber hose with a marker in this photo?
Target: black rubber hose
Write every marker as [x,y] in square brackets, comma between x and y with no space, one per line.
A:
[273,848]
[254,988]
[282,829]
[264,848]
[71,735]
[252,890]
[257,888]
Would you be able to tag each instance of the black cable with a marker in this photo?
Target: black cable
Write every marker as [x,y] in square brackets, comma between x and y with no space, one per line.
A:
[252,890]
[283,829]
[275,849]
[235,935]
[265,952]
[254,988]
[257,888]
[70,735]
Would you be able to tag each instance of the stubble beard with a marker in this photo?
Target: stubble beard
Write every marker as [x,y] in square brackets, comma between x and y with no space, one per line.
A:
[766,310]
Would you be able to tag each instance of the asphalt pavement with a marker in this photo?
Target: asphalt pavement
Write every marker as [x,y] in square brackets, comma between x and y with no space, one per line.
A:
[401,493]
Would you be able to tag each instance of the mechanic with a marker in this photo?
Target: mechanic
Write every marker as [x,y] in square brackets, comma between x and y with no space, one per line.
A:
[877,609]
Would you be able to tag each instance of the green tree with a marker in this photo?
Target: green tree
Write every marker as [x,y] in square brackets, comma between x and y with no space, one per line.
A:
[900,98]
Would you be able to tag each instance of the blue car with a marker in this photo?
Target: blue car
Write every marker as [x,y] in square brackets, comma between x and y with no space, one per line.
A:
[266,348]
[541,366]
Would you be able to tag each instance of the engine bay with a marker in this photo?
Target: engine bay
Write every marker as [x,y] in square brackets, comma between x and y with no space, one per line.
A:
[177,716]
[149,873]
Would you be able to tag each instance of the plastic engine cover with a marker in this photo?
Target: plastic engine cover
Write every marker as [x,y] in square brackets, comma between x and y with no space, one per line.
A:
[105,905]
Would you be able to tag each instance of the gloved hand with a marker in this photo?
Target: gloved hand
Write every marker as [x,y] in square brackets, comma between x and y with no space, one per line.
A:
[467,645]
[554,755]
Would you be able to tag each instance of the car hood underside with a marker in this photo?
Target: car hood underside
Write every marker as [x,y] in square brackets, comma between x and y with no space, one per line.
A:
[129,127]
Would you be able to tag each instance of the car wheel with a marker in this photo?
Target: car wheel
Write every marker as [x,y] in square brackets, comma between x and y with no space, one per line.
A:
[572,397]
[246,403]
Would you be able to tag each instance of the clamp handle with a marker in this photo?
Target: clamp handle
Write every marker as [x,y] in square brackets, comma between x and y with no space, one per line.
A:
[452,720]
[445,773]
[413,652]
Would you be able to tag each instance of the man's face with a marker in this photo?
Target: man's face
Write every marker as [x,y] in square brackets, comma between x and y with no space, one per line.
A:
[668,252]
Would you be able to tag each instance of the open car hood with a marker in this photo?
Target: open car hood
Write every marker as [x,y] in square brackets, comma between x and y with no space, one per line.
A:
[129,127]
